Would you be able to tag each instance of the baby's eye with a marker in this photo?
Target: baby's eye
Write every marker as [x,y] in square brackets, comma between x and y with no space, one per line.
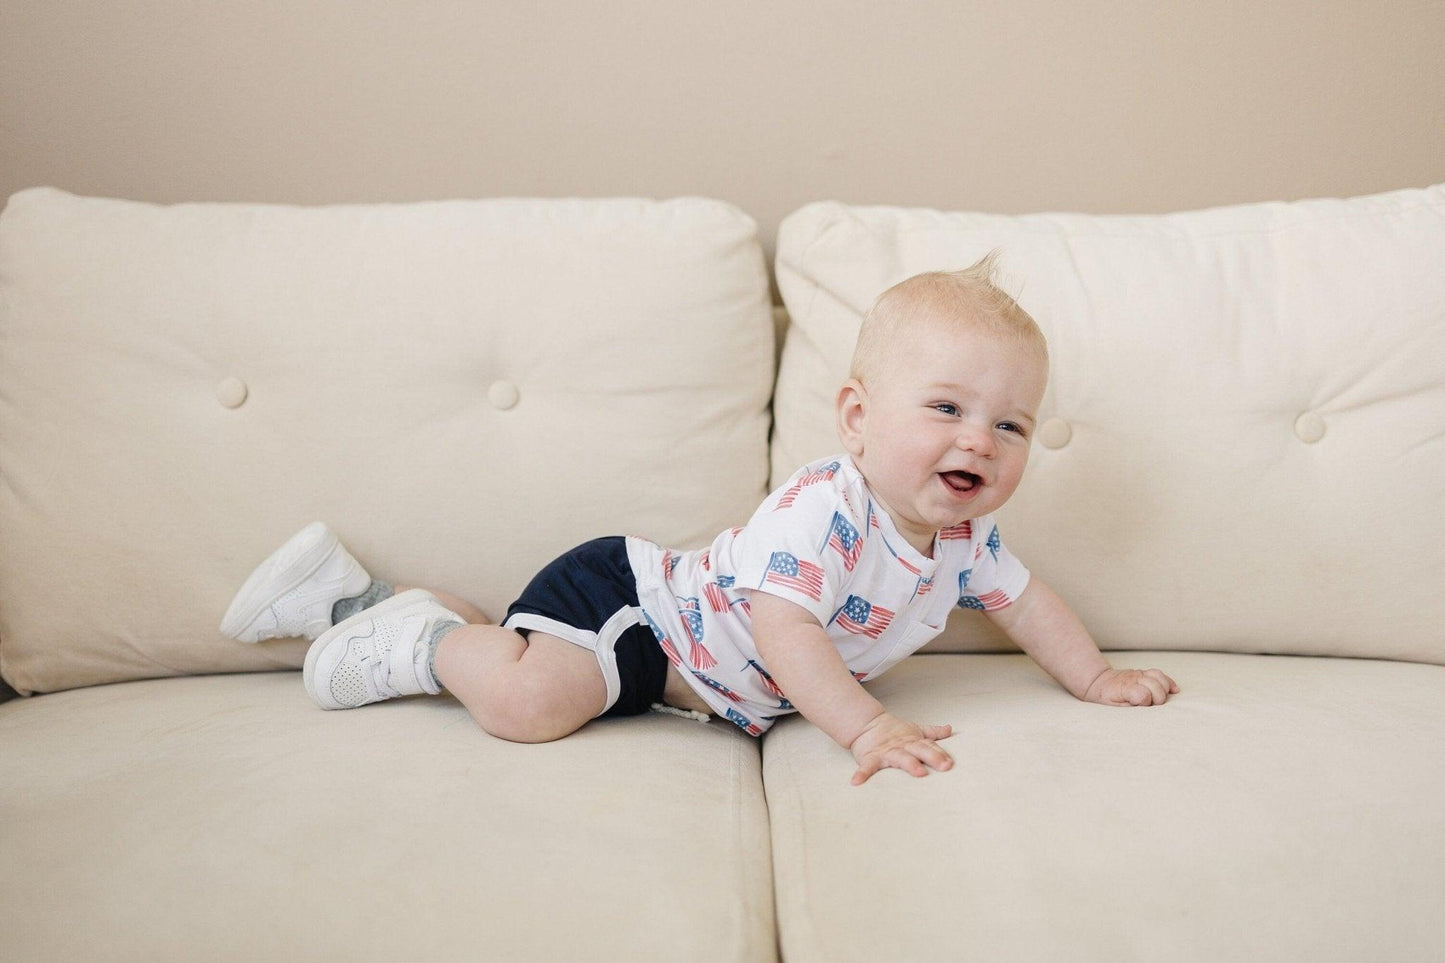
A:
[946,408]
[1011,426]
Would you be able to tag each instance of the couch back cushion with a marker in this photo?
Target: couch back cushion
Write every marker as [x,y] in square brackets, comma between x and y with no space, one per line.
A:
[462,389]
[1242,447]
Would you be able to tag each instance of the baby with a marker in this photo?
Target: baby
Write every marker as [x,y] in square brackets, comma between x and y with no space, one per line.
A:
[849,567]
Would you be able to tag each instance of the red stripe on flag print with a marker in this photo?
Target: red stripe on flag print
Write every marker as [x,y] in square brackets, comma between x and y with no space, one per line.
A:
[669,650]
[701,657]
[994,600]
[787,498]
[811,478]
[844,539]
[794,573]
[861,617]
[957,531]
[716,600]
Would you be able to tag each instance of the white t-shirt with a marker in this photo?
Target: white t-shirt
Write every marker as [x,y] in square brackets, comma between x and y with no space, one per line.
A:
[822,542]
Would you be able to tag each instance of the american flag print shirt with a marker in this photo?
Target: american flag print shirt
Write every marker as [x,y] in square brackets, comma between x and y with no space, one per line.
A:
[822,541]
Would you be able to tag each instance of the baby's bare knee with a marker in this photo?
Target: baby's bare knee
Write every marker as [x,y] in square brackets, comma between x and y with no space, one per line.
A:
[525,712]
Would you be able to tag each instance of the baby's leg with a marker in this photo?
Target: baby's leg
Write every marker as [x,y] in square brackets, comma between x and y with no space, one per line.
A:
[533,689]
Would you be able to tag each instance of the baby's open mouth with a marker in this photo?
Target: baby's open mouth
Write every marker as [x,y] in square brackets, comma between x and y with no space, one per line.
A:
[961,481]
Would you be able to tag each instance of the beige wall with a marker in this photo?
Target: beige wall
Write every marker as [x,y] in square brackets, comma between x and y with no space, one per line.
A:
[1126,106]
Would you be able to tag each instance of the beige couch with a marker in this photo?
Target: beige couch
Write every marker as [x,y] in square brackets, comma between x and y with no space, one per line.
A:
[1239,478]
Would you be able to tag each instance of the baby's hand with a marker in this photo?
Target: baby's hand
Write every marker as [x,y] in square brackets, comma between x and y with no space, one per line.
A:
[888,741]
[1131,687]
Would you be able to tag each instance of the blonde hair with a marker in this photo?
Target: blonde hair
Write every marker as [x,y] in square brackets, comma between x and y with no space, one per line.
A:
[964,298]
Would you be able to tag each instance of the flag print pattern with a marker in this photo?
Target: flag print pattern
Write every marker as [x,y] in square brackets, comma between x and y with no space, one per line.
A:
[908,566]
[714,684]
[993,601]
[744,723]
[691,614]
[876,591]
[987,602]
[717,600]
[791,572]
[844,539]
[668,649]
[770,685]
[820,474]
[862,617]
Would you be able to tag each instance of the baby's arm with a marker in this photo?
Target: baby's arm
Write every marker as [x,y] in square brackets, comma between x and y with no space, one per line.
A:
[1044,626]
[805,665]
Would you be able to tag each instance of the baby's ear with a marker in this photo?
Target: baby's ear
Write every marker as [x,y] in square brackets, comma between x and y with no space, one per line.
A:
[852,412]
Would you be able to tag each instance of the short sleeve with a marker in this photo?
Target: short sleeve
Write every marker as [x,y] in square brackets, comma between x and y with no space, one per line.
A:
[801,545]
[995,578]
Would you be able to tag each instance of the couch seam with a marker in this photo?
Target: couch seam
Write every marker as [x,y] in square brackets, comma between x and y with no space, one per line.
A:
[739,846]
[772,850]
[809,936]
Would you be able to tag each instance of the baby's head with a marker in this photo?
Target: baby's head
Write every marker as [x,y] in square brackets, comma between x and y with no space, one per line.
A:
[942,399]
[940,302]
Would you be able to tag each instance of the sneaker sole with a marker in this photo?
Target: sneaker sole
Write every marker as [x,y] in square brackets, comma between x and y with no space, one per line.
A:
[313,654]
[259,591]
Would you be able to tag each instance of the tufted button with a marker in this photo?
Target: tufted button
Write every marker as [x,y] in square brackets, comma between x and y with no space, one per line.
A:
[1055,433]
[503,395]
[1309,427]
[231,392]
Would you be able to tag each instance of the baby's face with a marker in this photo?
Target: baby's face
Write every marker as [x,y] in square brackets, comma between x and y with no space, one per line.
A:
[944,435]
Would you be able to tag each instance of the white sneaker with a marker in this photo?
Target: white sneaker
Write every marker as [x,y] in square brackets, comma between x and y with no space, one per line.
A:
[379,653]
[292,592]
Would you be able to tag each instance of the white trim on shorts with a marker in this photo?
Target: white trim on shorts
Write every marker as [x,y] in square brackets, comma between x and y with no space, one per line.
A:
[603,644]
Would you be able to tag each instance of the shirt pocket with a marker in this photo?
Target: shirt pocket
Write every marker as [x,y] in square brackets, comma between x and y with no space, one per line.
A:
[915,638]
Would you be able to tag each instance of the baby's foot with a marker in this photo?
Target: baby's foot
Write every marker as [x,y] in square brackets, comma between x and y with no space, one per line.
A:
[380,653]
[292,593]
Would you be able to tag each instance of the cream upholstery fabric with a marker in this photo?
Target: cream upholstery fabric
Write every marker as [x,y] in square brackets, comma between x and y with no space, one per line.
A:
[1277,808]
[227,818]
[462,389]
[1242,440]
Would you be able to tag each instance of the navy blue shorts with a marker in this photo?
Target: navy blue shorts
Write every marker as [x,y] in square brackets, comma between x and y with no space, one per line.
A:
[588,596]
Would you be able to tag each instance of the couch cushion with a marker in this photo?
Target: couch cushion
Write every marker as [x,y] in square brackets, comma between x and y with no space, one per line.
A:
[1242,445]
[1276,808]
[462,389]
[228,817]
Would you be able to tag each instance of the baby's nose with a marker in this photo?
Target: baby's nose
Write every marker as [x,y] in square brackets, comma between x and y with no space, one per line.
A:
[977,440]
